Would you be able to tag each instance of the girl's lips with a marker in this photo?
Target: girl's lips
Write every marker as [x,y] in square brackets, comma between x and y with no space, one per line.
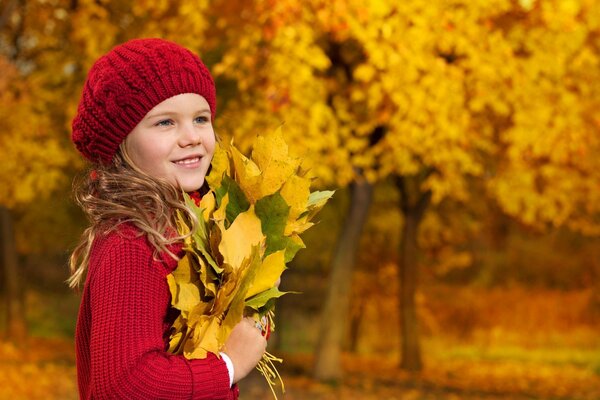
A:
[191,161]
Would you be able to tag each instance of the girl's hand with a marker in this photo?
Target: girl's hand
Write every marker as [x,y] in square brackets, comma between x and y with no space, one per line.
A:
[245,347]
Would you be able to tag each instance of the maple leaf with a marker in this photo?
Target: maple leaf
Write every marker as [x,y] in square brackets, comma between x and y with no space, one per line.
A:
[248,175]
[273,212]
[238,240]
[219,166]
[271,269]
[183,282]
[296,192]
[261,299]
[276,166]
[237,199]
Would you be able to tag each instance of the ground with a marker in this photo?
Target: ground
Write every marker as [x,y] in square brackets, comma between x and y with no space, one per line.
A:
[39,368]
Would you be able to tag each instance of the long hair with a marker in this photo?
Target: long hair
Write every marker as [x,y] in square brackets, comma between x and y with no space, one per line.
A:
[118,193]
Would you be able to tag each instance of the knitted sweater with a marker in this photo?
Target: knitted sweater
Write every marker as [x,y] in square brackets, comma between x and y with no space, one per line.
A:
[123,329]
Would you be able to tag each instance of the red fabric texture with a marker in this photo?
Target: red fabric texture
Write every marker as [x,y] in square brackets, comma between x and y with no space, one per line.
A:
[126,83]
[123,328]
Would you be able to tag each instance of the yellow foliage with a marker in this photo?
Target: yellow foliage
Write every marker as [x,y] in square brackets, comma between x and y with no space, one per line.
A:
[467,89]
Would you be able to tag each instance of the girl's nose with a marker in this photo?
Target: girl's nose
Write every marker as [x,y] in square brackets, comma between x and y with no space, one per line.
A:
[189,136]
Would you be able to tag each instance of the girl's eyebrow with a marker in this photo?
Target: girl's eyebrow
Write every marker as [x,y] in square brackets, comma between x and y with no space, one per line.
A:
[175,113]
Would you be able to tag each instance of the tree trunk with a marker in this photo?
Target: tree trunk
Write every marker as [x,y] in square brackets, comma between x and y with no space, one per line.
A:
[411,349]
[356,319]
[15,316]
[334,318]
[413,204]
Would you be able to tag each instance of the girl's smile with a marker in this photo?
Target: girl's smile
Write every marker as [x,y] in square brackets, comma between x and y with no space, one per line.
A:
[175,141]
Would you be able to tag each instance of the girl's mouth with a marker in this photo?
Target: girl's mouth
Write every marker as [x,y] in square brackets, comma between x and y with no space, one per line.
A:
[188,161]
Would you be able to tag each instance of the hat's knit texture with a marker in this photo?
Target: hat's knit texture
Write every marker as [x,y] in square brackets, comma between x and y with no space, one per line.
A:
[126,83]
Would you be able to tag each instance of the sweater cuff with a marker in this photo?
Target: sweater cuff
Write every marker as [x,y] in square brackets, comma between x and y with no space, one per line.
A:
[211,375]
[229,365]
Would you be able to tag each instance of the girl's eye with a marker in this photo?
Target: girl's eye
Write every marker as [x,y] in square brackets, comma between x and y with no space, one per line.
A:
[164,122]
[201,120]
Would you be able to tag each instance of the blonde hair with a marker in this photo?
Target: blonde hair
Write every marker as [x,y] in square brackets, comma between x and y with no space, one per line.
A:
[118,193]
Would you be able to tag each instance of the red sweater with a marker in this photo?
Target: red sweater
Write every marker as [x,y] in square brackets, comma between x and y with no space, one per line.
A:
[123,324]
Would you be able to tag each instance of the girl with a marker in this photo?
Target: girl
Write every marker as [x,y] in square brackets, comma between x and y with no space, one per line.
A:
[145,122]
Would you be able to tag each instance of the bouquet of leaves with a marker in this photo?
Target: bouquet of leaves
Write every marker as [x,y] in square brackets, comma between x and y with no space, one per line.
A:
[248,229]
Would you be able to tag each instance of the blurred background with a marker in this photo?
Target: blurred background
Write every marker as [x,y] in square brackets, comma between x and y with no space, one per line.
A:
[460,256]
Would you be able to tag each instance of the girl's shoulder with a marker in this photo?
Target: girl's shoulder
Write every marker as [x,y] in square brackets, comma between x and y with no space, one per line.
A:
[125,238]
[125,233]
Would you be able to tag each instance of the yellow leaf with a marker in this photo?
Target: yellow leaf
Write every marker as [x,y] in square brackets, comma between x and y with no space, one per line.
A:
[295,192]
[219,166]
[297,226]
[207,278]
[208,204]
[270,271]
[219,215]
[204,338]
[183,285]
[271,155]
[244,276]
[248,175]
[237,241]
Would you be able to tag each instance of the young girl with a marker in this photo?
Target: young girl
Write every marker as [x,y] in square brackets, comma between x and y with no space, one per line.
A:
[145,122]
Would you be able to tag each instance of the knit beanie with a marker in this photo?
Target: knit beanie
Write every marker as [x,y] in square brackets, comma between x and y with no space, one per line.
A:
[125,84]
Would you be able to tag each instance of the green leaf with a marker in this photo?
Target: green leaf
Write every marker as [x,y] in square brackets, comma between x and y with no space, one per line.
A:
[319,197]
[237,200]
[259,300]
[293,245]
[273,213]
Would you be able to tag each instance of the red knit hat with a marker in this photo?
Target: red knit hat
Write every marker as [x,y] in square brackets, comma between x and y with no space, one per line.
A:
[126,83]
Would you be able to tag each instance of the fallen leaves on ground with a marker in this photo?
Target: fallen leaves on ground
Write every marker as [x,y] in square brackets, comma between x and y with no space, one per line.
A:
[37,369]
[45,369]
[379,378]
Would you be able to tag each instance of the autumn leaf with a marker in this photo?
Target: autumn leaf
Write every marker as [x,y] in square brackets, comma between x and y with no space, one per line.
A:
[296,193]
[271,269]
[183,284]
[219,167]
[259,300]
[270,155]
[237,199]
[273,212]
[238,240]
[247,174]
[245,276]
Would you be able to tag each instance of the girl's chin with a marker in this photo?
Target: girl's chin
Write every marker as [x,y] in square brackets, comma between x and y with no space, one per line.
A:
[191,186]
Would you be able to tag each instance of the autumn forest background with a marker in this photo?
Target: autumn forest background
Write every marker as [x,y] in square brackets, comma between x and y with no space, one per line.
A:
[460,256]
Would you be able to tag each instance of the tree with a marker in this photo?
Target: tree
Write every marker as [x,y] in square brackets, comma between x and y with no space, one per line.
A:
[547,173]
[32,160]
[436,95]
[46,49]
[334,79]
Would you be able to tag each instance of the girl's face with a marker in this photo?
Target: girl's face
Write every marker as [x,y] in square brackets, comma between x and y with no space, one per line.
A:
[175,141]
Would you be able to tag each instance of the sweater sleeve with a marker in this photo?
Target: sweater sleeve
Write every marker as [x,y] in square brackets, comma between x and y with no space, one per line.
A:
[129,299]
